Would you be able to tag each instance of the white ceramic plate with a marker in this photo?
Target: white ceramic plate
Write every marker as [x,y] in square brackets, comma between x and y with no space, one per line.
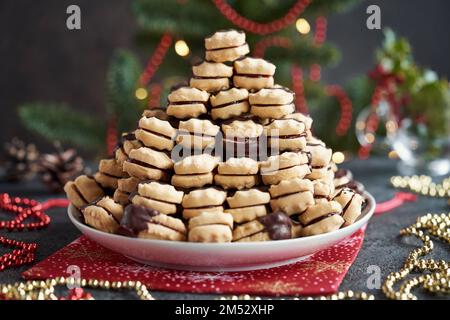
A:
[237,256]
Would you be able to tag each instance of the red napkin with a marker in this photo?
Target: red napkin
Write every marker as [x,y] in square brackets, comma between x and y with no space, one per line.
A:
[320,273]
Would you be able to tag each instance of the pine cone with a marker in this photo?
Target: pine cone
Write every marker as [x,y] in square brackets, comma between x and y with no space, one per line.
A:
[20,161]
[56,169]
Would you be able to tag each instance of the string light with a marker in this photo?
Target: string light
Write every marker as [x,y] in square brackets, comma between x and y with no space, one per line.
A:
[392,155]
[302,26]
[338,157]
[181,48]
[141,93]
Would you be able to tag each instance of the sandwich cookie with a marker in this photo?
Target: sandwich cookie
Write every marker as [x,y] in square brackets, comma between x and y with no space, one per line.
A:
[272,103]
[241,138]
[156,133]
[322,217]
[351,203]
[83,190]
[253,73]
[127,143]
[142,222]
[324,173]
[186,102]
[343,178]
[320,154]
[194,171]
[125,187]
[210,76]
[274,226]
[229,103]
[286,166]
[300,117]
[103,214]
[145,163]
[286,134]
[197,134]
[247,205]
[156,112]
[211,227]
[237,173]
[226,45]
[323,191]
[109,171]
[203,200]
[159,196]
[292,196]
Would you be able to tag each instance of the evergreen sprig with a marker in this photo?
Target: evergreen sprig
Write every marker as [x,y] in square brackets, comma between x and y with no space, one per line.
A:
[60,122]
[122,81]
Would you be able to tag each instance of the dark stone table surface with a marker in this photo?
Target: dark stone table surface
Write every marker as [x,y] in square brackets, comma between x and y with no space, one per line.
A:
[383,247]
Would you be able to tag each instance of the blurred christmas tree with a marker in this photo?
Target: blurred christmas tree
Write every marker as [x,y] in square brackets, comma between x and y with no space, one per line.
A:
[290,33]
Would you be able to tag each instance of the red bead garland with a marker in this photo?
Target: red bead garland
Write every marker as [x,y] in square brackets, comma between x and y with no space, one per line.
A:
[111,136]
[299,90]
[155,95]
[345,103]
[23,208]
[156,59]
[321,31]
[261,28]
[23,253]
[265,43]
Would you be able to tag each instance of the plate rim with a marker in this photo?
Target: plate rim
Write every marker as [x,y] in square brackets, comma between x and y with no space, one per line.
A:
[360,222]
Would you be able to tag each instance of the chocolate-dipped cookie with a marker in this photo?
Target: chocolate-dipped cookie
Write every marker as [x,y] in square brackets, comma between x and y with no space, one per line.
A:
[142,222]
[274,226]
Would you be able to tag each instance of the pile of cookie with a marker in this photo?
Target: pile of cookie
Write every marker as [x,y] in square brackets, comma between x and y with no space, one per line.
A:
[228,160]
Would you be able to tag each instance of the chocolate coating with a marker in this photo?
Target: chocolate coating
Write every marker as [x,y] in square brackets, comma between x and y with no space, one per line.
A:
[135,220]
[278,225]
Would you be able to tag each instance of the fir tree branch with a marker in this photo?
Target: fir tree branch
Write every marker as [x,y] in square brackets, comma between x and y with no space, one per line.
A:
[58,122]
[122,80]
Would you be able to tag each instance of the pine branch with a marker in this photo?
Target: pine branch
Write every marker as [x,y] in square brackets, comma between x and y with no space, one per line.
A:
[123,74]
[60,122]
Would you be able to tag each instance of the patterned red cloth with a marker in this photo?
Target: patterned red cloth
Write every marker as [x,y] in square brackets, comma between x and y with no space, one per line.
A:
[321,273]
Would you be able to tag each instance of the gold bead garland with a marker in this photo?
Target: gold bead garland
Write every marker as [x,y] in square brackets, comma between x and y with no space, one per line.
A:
[45,290]
[423,185]
[435,282]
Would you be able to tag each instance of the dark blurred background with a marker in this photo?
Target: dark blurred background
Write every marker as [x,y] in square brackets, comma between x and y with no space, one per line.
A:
[43,61]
